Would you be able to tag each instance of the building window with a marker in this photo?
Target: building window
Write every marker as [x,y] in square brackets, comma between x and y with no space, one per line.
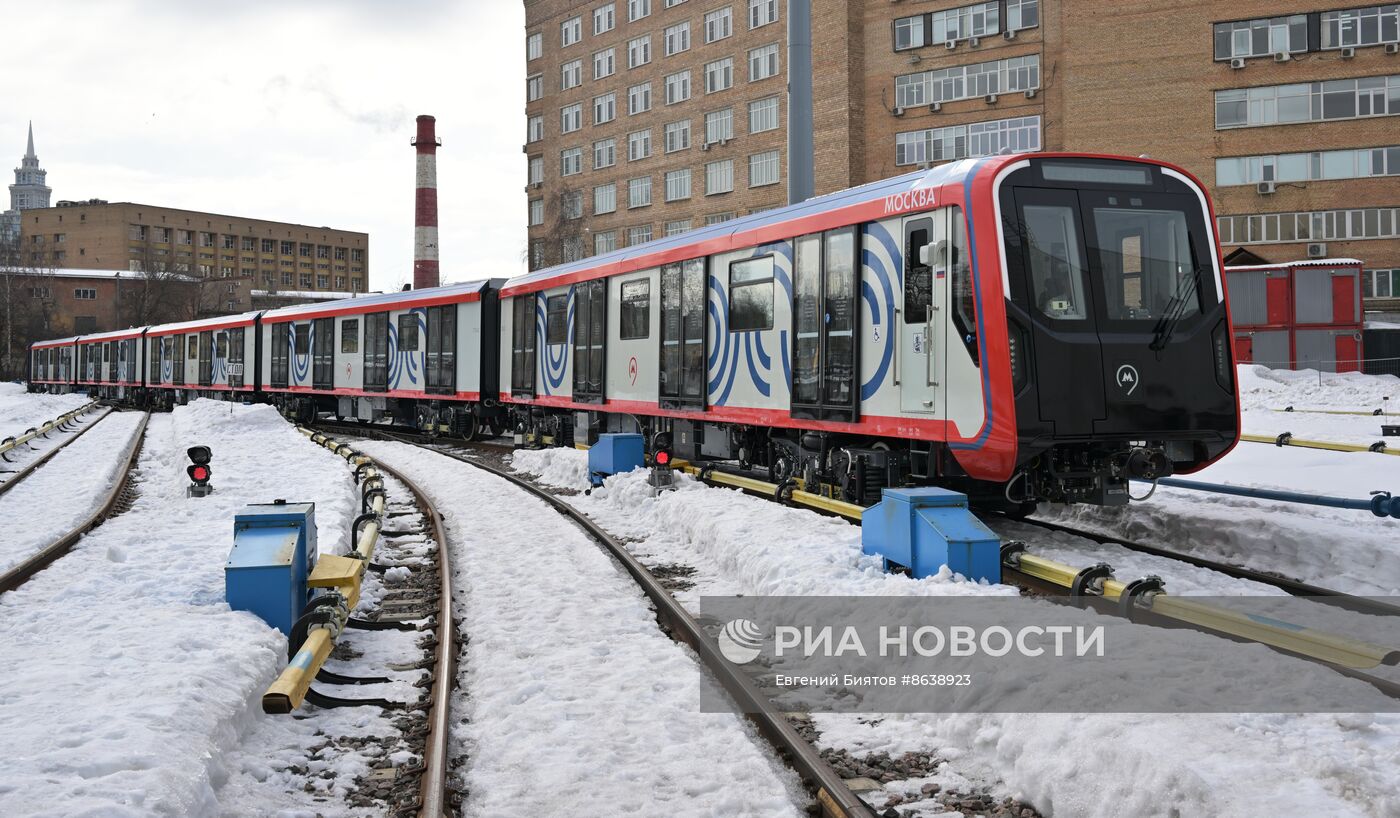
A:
[635,298]
[719,125]
[671,3]
[1321,225]
[677,184]
[638,145]
[677,227]
[322,281]
[1359,163]
[604,153]
[604,18]
[638,235]
[571,204]
[571,75]
[1260,38]
[966,22]
[357,255]
[185,237]
[1022,14]
[763,115]
[678,136]
[340,254]
[605,199]
[763,62]
[85,294]
[678,87]
[719,177]
[1307,102]
[763,169]
[39,292]
[719,75]
[571,118]
[637,9]
[639,99]
[228,242]
[534,46]
[357,285]
[604,108]
[639,192]
[205,239]
[604,63]
[247,243]
[1380,284]
[570,31]
[719,24]
[536,212]
[534,129]
[604,242]
[639,51]
[536,170]
[534,87]
[1354,28]
[571,161]
[967,81]
[677,38]
[961,141]
[909,32]
[305,250]
[762,12]
[288,248]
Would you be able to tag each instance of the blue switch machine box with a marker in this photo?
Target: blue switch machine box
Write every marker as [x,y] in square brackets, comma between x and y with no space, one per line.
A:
[274,551]
[614,454]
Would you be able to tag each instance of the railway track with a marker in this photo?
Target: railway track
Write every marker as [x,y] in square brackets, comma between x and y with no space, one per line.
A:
[832,796]
[60,423]
[116,500]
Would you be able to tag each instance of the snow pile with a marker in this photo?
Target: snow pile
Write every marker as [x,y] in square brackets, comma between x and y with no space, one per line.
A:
[128,674]
[1101,765]
[20,410]
[561,468]
[572,700]
[1262,387]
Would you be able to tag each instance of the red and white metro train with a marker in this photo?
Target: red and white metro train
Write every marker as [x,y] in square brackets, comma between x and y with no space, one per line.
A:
[1023,328]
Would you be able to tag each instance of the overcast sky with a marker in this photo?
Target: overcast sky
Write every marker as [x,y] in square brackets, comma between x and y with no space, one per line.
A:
[290,110]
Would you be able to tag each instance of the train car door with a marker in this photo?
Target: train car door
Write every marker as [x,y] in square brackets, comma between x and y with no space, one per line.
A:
[234,362]
[522,344]
[440,362]
[922,363]
[376,356]
[206,358]
[323,353]
[590,340]
[826,336]
[683,327]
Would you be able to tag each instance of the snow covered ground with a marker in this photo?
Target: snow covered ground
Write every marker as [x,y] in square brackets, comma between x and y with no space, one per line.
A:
[572,700]
[1350,551]
[20,410]
[1106,765]
[126,677]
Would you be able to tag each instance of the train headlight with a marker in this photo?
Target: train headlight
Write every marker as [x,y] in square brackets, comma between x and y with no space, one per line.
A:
[1220,346]
[1018,347]
[199,471]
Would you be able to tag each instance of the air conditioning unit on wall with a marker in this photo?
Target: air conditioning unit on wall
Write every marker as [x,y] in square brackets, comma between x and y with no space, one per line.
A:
[1317,250]
[1264,188]
[1237,62]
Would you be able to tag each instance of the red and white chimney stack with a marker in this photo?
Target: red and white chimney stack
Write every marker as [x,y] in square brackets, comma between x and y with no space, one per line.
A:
[425,206]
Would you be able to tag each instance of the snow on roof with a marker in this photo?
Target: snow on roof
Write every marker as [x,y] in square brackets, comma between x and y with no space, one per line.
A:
[321,295]
[201,323]
[54,342]
[69,272]
[1311,262]
[385,299]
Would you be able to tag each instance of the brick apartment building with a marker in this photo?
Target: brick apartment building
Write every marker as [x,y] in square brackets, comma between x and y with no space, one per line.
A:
[232,255]
[649,117]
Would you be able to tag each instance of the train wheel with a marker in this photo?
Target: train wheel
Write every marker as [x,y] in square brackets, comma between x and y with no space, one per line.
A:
[784,464]
[471,426]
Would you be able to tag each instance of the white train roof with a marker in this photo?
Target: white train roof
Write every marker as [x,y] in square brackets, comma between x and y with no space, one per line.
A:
[383,300]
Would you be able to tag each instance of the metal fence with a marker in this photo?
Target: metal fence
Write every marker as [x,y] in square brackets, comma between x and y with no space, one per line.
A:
[1370,366]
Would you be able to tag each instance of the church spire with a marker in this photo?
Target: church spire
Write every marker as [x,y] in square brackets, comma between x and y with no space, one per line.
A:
[29,154]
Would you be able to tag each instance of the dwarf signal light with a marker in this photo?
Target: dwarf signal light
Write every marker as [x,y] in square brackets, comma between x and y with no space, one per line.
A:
[199,472]
[663,458]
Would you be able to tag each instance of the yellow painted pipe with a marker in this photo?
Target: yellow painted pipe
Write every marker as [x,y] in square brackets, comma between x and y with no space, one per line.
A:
[1318,444]
[48,426]
[1328,412]
[289,691]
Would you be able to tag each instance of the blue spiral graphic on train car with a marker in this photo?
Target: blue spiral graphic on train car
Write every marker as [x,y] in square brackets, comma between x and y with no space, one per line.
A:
[406,363]
[301,363]
[723,361]
[880,252]
[553,359]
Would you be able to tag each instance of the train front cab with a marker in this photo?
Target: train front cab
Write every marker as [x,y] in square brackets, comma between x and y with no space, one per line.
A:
[1118,326]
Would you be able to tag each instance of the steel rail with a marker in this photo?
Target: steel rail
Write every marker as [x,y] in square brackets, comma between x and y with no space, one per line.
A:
[833,797]
[24,571]
[14,442]
[434,797]
[29,467]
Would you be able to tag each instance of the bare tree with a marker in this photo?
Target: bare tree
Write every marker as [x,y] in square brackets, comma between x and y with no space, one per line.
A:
[29,312]
[562,240]
[163,293]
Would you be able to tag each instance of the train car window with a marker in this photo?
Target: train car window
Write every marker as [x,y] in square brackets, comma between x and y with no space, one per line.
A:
[302,338]
[376,356]
[1146,259]
[590,333]
[279,337]
[408,332]
[323,355]
[193,348]
[523,330]
[235,357]
[556,320]
[440,365]
[671,331]
[918,277]
[1057,271]
[206,358]
[350,335]
[173,346]
[107,351]
[636,309]
[693,330]
[807,321]
[221,345]
[751,294]
[839,319]
[963,295]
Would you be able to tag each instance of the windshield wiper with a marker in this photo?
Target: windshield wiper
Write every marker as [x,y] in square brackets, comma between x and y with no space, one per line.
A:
[1176,308]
